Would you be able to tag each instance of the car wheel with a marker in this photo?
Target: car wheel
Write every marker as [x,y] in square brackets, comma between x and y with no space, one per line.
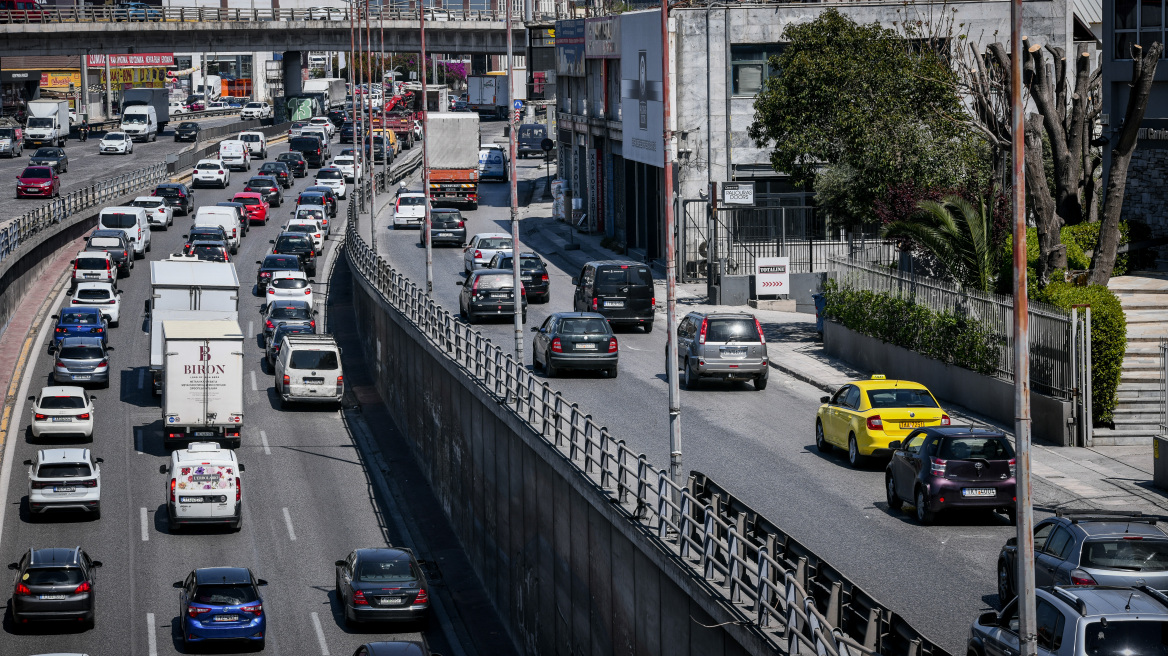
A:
[549,369]
[894,502]
[1005,584]
[854,458]
[612,372]
[648,326]
[820,440]
[691,378]
[760,383]
[924,515]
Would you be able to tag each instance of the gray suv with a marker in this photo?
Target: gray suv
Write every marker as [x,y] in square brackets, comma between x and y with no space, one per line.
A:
[727,346]
[1080,621]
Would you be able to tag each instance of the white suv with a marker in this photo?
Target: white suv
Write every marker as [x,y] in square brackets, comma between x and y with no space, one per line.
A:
[158,211]
[323,122]
[62,410]
[211,172]
[333,178]
[64,479]
[256,110]
[203,486]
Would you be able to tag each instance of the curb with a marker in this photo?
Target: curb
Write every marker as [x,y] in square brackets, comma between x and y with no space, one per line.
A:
[798,375]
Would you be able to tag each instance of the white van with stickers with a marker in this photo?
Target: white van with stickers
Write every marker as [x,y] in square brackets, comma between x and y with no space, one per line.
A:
[204,486]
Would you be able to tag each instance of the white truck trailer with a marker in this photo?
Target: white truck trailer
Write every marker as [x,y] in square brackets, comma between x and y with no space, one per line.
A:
[202,395]
[185,288]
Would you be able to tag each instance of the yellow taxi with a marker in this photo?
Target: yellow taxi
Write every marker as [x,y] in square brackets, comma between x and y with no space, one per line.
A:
[865,415]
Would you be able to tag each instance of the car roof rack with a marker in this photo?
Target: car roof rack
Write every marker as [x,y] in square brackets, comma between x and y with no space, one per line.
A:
[1154,593]
[1076,516]
[1070,598]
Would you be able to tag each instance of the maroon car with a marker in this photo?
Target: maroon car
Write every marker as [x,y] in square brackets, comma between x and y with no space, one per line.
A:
[38,182]
[950,468]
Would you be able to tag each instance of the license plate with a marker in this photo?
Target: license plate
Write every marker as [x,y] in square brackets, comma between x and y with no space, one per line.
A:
[190,499]
[90,275]
[52,596]
[62,419]
[65,489]
[911,424]
[226,618]
[82,376]
[525,278]
[614,304]
[204,433]
[446,234]
[588,346]
[979,492]
[392,601]
[733,351]
[313,381]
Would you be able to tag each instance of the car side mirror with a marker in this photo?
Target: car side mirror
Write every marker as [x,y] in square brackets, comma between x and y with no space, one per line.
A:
[69,292]
[92,397]
[459,282]
[120,292]
[1012,542]
[32,398]
[271,241]
[340,563]
[261,582]
[99,460]
[177,584]
[259,263]
[53,316]
[242,467]
[146,306]
[185,237]
[52,349]
[161,469]
[894,445]
[13,565]
[28,462]
[988,619]
[109,348]
[825,399]
[575,280]
[535,329]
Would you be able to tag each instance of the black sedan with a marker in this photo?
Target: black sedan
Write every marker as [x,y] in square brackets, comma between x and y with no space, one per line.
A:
[54,157]
[337,117]
[532,271]
[204,233]
[348,132]
[575,340]
[446,227]
[301,246]
[273,263]
[54,584]
[272,346]
[187,131]
[279,171]
[268,187]
[296,163]
[330,197]
[177,195]
[383,585]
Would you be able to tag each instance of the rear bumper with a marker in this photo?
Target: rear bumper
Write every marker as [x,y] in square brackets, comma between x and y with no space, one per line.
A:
[411,613]
[487,309]
[724,369]
[40,507]
[949,495]
[233,520]
[598,361]
[30,609]
[306,397]
[74,427]
[71,377]
[199,631]
[457,239]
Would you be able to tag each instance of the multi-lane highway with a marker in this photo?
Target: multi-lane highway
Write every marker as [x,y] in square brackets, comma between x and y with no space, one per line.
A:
[308,500]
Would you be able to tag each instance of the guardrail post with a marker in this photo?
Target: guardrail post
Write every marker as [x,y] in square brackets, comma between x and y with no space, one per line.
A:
[834,612]
[709,543]
[872,632]
[801,572]
[733,550]
[663,509]
[572,431]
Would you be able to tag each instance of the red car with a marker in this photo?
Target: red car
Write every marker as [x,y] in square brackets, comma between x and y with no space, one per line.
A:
[257,207]
[38,182]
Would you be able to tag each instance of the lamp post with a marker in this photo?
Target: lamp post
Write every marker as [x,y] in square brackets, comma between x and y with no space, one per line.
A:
[517,282]
[426,155]
[372,150]
[675,466]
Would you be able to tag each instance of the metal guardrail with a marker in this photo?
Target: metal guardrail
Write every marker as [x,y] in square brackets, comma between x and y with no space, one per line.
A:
[188,158]
[780,589]
[204,113]
[92,14]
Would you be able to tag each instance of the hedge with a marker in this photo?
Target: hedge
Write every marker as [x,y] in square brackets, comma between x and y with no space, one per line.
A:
[941,336]
[1108,339]
[1079,240]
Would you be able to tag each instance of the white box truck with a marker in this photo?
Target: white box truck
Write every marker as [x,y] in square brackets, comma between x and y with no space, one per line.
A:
[329,92]
[202,394]
[185,288]
[48,123]
[487,94]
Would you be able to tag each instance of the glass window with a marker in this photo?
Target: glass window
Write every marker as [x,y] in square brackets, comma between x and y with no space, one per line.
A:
[1131,638]
[1059,544]
[390,570]
[1137,22]
[913,445]
[750,66]
[853,400]
[966,448]
[731,330]
[1131,555]
[1041,534]
[64,470]
[326,360]
[80,353]
[585,327]
[62,403]
[901,398]
[1050,625]
[224,595]
[53,576]
[289,283]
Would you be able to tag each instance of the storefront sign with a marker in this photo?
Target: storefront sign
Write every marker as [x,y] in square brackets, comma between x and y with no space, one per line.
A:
[60,79]
[602,38]
[570,47]
[641,88]
[139,59]
[136,77]
[737,194]
[20,76]
[772,276]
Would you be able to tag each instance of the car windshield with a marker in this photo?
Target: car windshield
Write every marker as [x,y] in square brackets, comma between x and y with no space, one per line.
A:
[289,157]
[289,283]
[586,326]
[329,175]
[731,330]
[289,312]
[64,470]
[133,119]
[91,263]
[188,125]
[494,282]
[224,595]
[411,201]
[254,105]
[119,220]
[53,576]
[325,360]
[973,448]
[1136,555]
[901,398]
[62,403]
[208,166]
[37,173]
[79,318]
[624,275]
[494,243]
[38,122]
[114,136]
[1130,638]
[390,570]
[46,152]
[80,353]
[93,294]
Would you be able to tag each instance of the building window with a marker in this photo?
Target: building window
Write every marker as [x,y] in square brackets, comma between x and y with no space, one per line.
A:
[750,66]
[1137,22]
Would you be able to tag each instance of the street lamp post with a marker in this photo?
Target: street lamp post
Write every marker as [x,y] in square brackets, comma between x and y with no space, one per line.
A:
[675,466]
[372,150]
[426,155]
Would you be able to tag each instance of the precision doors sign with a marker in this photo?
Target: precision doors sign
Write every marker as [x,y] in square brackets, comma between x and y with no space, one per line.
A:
[772,276]
[738,194]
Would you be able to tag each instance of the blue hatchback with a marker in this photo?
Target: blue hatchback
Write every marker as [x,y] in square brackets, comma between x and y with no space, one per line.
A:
[222,603]
[80,322]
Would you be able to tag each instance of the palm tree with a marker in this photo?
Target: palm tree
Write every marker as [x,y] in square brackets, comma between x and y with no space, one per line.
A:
[958,234]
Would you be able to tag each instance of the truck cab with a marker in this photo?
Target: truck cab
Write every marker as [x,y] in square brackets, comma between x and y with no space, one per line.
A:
[140,122]
[204,485]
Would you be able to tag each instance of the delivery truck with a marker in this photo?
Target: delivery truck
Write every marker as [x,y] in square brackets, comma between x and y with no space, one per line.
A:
[488,95]
[159,99]
[202,397]
[329,91]
[454,159]
[48,123]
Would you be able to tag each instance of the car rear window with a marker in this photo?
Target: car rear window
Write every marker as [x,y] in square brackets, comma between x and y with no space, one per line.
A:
[62,403]
[495,243]
[289,157]
[525,263]
[146,203]
[326,360]
[289,283]
[105,242]
[496,281]
[217,232]
[293,241]
[247,201]
[901,398]
[310,215]
[80,353]
[252,138]
[53,576]
[589,326]
[46,152]
[389,570]
[303,144]
[93,294]
[277,261]
[186,125]
[1130,638]
[303,228]
[64,470]
[206,252]
[286,312]
[411,201]
[79,318]
[169,192]
[224,595]
[969,448]
[329,175]
[261,182]
[119,220]
[731,330]
[311,199]
[624,275]
[1136,555]
[208,166]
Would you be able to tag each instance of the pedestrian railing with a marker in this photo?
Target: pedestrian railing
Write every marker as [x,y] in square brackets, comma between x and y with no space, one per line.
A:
[112,14]
[191,156]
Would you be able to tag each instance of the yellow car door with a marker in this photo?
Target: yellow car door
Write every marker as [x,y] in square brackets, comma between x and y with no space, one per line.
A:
[836,419]
[848,413]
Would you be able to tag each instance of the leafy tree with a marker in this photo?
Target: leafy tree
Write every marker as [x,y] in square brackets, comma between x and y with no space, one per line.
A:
[959,234]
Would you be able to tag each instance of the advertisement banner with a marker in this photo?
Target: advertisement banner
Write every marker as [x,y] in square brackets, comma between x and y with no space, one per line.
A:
[60,79]
[139,59]
[136,77]
[570,47]
[591,174]
[642,119]
[602,38]
[772,276]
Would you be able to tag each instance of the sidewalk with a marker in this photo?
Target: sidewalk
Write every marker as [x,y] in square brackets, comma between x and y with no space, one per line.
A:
[1103,477]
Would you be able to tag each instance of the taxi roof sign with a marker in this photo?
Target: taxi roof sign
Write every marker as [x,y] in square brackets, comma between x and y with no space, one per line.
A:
[879,377]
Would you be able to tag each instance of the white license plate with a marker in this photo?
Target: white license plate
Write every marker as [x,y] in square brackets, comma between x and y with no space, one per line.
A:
[82,376]
[226,618]
[614,304]
[191,499]
[62,419]
[445,234]
[90,275]
[525,278]
[392,601]
[52,596]
[734,351]
[204,433]
[586,347]
[65,489]
[979,492]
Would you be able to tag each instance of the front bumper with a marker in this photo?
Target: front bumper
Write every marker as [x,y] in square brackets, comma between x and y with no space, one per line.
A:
[34,191]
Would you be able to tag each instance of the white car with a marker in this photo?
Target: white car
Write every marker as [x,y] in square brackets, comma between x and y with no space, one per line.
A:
[482,247]
[410,210]
[323,122]
[314,213]
[289,286]
[177,108]
[349,166]
[62,410]
[327,13]
[114,143]
[235,154]
[255,110]
[417,130]
[101,295]
[211,172]
[257,143]
[333,178]
[310,227]
[203,486]
[158,213]
[64,479]
[216,105]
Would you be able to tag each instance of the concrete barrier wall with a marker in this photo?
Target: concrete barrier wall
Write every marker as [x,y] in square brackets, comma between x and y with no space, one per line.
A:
[566,570]
[22,268]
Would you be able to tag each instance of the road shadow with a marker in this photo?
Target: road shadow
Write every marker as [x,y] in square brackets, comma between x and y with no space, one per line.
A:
[131,394]
[151,442]
[56,440]
[53,517]
[42,628]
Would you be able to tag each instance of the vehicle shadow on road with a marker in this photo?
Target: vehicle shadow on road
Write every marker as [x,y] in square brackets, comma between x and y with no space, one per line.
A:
[41,628]
[152,442]
[130,392]
[53,517]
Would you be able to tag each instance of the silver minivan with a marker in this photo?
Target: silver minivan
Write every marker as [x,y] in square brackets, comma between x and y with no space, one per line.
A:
[308,370]
[727,346]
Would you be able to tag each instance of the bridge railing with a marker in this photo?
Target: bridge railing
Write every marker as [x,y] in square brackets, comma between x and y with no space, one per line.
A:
[103,14]
[780,590]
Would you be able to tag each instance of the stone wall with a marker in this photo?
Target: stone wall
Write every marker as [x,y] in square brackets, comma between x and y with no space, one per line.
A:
[1146,196]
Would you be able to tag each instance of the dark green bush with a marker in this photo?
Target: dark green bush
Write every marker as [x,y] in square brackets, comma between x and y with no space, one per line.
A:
[1080,240]
[939,335]
[1108,339]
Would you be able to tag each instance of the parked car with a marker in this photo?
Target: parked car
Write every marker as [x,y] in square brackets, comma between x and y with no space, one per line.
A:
[482,247]
[54,585]
[280,171]
[489,292]
[722,345]
[115,143]
[38,182]
[382,585]
[620,290]
[222,603]
[532,271]
[575,340]
[64,479]
[50,156]
[296,163]
[187,131]
[82,360]
[116,244]
[177,195]
[62,410]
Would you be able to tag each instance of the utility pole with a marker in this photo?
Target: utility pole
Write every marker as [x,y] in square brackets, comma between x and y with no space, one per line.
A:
[675,471]
[384,91]
[515,253]
[1027,633]
[109,87]
[372,150]
[426,157]
[362,136]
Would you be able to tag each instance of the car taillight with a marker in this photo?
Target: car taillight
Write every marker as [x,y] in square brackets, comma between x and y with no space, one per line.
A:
[271,290]
[702,340]
[59,364]
[92,482]
[287,380]
[125,254]
[247,188]
[265,274]
[258,609]
[103,363]
[1079,577]
[422,596]
[221,173]
[107,265]
[874,422]
[233,232]
[1013,466]
[761,337]
[84,415]
[945,421]
[196,172]
[938,466]
[359,599]
[84,587]
[653,301]
[76,302]
[307,291]
[172,483]
[478,255]
[543,277]
[22,590]
[557,347]
[112,301]
[39,417]
[595,303]
[312,324]
[196,611]
[612,345]
[340,384]
[238,489]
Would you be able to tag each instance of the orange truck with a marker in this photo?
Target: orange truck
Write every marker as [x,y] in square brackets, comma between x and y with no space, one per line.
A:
[454,159]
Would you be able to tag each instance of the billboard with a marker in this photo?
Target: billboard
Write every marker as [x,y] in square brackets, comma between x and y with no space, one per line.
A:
[602,38]
[642,120]
[570,47]
[139,59]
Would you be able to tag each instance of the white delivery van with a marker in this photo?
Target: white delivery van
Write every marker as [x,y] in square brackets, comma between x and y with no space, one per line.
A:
[308,370]
[204,486]
[235,154]
[130,220]
[140,122]
[213,215]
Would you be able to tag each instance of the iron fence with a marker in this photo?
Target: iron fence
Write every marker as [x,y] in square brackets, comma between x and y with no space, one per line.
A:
[769,588]
[1164,387]
[1050,340]
[112,14]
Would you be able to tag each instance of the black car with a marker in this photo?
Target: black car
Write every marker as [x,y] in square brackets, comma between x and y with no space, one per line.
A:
[330,197]
[284,312]
[279,171]
[187,131]
[488,292]
[209,251]
[295,162]
[299,245]
[380,146]
[116,244]
[382,585]
[204,233]
[268,187]
[240,213]
[272,346]
[54,584]
[177,195]
[316,198]
[620,290]
[272,264]
[348,133]
[311,148]
[51,156]
[446,227]
[337,117]
[532,271]
[575,340]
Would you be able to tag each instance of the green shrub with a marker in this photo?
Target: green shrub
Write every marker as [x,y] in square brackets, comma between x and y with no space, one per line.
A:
[943,336]
[1108,339]
[1079,240]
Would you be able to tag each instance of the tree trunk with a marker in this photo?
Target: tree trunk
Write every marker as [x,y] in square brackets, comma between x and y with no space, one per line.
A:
[1052,254]
[1143,72]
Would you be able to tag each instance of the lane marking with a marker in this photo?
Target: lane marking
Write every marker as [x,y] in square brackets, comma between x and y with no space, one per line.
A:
[288,523]
[254,387]
[250,327]
[320,635]
[138,441]
[151,635]
[264,440]
[141,378]
[145,518]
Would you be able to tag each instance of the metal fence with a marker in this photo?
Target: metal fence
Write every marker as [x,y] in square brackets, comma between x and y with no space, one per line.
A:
[1050,348]
[766,582]
[188,158]
[111,14]
[1164,387]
